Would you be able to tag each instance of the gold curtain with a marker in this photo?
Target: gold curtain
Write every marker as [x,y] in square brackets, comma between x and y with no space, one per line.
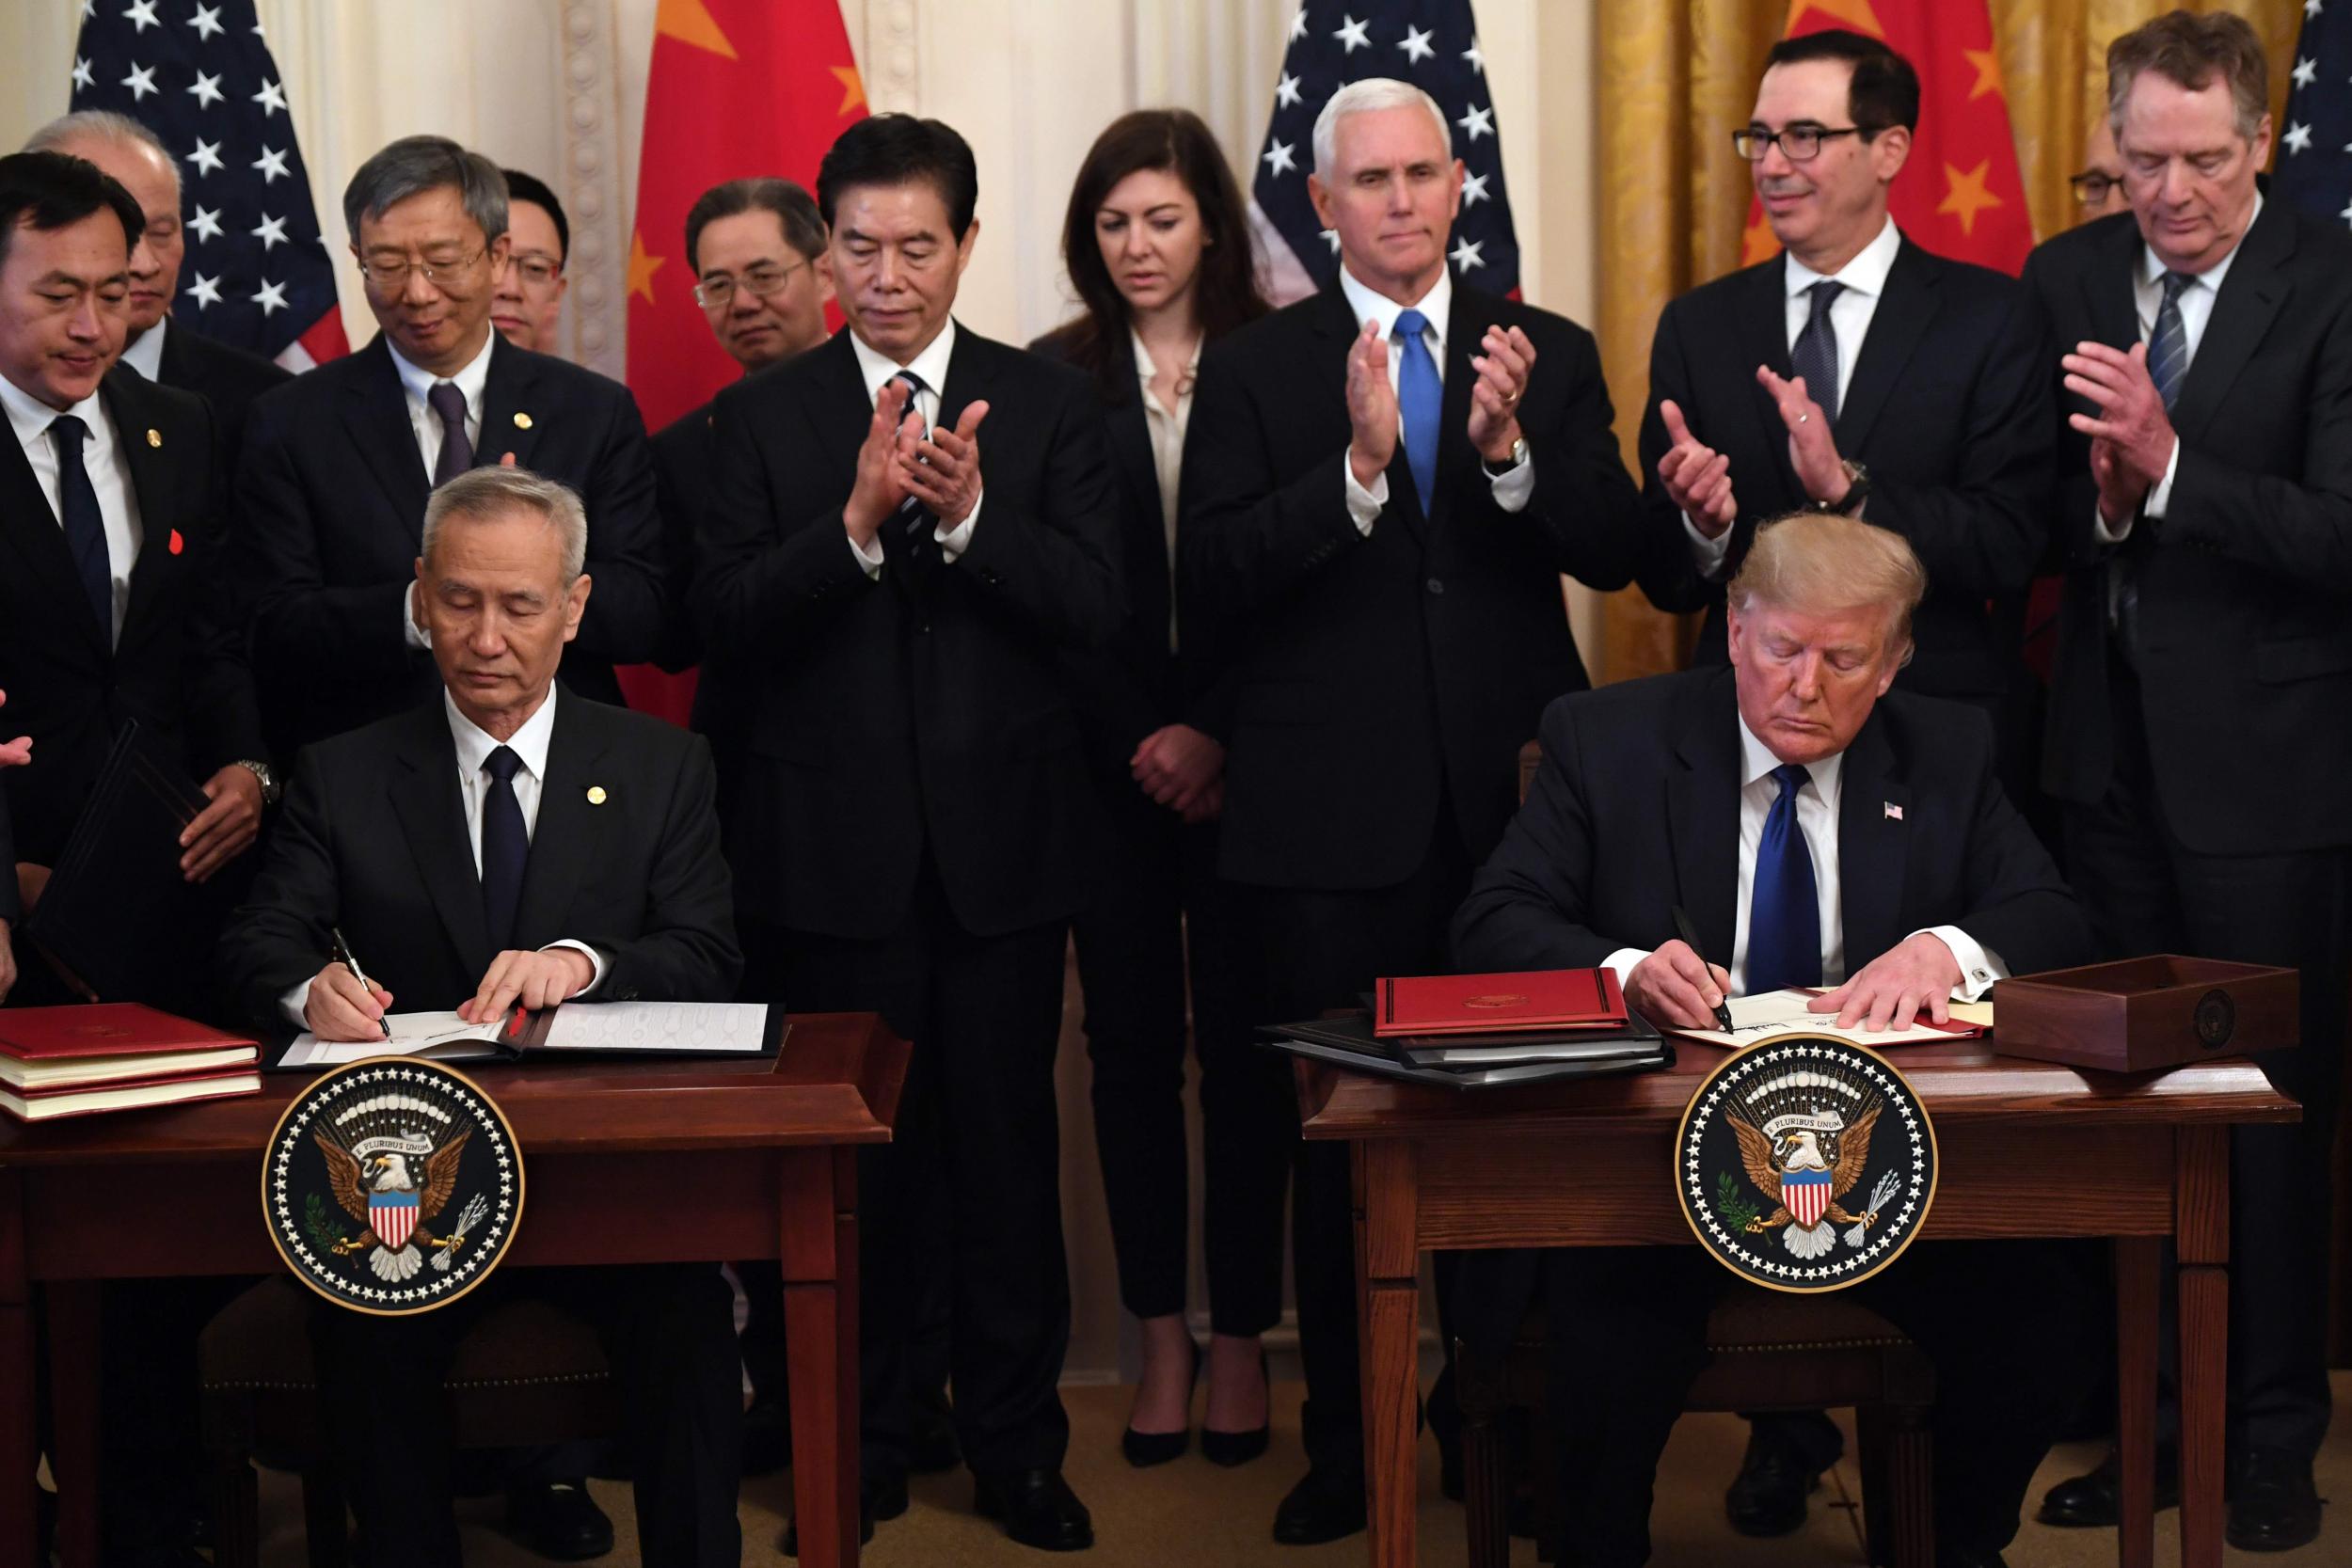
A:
[1674,76]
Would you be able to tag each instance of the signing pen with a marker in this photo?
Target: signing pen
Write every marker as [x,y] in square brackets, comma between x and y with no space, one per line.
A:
[1690,935]
[351,962]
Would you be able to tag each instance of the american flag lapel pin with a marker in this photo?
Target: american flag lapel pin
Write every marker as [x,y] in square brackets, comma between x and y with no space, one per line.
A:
[1894,811]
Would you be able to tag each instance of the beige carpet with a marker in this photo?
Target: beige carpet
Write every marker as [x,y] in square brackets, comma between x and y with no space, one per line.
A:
[1191,1513]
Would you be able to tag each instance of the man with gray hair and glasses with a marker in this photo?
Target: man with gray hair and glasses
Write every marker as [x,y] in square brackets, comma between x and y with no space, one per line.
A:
[2197,732]
[331,487]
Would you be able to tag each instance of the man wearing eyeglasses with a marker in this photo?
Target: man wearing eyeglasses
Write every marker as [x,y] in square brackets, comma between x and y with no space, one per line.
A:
[1854,372]
[529,301]
[2098,188]
[332,484]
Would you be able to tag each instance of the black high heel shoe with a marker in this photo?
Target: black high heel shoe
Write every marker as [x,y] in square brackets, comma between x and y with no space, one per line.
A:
[1229,1448]
[1146,1448]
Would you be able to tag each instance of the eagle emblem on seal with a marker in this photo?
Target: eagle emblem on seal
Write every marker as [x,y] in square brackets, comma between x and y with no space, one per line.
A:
[395,1178]
[1804,1139]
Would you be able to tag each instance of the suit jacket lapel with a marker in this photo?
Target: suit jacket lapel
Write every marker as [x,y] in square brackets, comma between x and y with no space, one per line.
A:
[1905,312]
[509,423]
[2109,291]
[1872,846]
[567,838]
[32,529]
[840,408]
[376,411]
[2252,295]
[159,506]
[1764,340]
[432,816]
[1466,327]
[1131,440]
[1702,812]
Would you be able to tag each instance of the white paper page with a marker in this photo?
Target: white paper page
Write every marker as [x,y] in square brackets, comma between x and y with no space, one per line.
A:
[411,1033]
[697,1026]
[1757,1019]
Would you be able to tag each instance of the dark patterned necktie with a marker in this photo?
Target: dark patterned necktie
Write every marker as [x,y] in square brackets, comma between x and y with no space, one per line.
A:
[457,450]
[911,509]
[2167,349]
[84,525]
[1813,355]
[505,847]
[1784,902]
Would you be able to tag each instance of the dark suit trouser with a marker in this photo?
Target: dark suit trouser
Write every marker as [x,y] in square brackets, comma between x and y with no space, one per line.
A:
[1628,1333]
[977,1131]
[1324,949]
[1157,903]
[669,1338]
[2149,893]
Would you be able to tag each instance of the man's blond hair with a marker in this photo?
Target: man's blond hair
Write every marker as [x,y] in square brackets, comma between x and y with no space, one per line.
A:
[1824,563]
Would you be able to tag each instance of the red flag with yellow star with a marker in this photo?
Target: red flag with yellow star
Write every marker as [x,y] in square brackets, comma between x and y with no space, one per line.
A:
[1960,195]
[737,87]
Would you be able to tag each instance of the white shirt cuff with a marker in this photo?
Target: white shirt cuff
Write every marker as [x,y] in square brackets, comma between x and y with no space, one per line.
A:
[1513,487]
[954,541]
[1706,554]
[596,961]
[2161,496]
[1623,960]
[1980,966]
[1363,506]
[869,555]
[295,1003]
[412,634]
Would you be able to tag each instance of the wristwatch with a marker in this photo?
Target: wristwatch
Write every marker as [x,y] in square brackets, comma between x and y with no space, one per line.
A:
[1857,490]
[271,788]
[1518,455]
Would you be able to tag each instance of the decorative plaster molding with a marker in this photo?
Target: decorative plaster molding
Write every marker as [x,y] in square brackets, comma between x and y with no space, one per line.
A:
[590,180]
[894,54]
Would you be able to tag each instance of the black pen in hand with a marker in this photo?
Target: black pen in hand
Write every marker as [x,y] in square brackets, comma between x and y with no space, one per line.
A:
[1690,935]
[351,962]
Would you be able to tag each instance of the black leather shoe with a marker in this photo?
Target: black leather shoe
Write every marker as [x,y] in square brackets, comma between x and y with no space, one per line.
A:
[1326,1505]
[884,1501]
[1767,1497]
[767,1437]
[2273,1505]
[932,1446]
[1146,1448]
[1229,1448]
[1038,1509]
[2094,1499]
[558,1519]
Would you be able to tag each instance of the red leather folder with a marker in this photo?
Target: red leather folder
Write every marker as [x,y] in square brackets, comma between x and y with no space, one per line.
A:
[109,1041]
[1540,999]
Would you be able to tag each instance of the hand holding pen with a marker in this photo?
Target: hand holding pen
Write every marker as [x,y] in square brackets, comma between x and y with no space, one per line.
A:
[343,1003]
[1675,987]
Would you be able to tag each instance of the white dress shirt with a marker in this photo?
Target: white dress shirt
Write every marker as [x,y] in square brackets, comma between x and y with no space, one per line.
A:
[1167,427]
[875,368]
[29,419]
[1817,818]
[1850,313]
[474,745]
[415,386]
[2197,303]
[145,353]
[1515,483]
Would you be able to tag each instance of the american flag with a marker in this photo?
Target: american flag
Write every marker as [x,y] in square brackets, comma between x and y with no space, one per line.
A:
[199,75]
[2315,150]
[1430,43]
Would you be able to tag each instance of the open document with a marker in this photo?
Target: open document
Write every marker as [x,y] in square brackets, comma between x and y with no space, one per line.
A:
[1755,1020]
[582,1028]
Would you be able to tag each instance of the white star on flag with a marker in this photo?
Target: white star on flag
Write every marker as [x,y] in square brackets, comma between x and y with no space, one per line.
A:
[272,98]
[206,21]
[1286,93]
[1351,35]
[206,157]
[142,15]
[1478,122]
[1473,189]
[141,82]
[207,91]
[272,164]
[2306,73]
[1465,254]
[1477,59]
[82,77]
[2346,213]
[1298,23]
[271,234]
[1416,44]
[2311,7]
[271,298]
[206,291]
[2298,138]
[1279,158]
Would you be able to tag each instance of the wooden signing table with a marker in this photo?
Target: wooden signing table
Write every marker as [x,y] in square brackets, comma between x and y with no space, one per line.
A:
[2026,1149]
[629,1161]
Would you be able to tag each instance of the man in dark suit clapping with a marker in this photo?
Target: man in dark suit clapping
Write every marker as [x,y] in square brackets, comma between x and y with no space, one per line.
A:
[331,486]
[1382,486]
[899,586]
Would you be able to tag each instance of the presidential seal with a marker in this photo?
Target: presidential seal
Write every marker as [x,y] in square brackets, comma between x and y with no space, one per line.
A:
[1806,1164]
[392,1186]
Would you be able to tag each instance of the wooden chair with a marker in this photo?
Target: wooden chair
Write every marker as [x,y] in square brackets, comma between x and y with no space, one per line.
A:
[526,1374]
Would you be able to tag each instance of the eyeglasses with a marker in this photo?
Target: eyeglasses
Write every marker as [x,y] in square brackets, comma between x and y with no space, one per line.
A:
[717,291]
[537,271]
[2092,185]
[1797,143]
[391,277]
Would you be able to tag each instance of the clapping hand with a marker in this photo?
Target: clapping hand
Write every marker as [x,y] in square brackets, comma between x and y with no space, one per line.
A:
[881,484]
[1503,372]
[943,471]
[1812,449]
[2131,423]
[1697,477]
[1370,407]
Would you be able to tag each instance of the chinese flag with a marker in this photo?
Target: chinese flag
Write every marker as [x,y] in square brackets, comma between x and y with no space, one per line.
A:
[737,87]
[1960,195]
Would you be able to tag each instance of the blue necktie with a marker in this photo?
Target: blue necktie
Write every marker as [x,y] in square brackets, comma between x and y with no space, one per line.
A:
[456,456]
[1813,355]
[1421,399]
[85,527]
[2168,348]
[1784,909]
[505,847]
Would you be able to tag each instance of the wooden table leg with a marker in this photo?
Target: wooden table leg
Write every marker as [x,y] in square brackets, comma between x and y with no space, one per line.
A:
[2201,1237]
[20,1450]
[1387,1278]
[74,1412]
[2139,1275]
[819,1258]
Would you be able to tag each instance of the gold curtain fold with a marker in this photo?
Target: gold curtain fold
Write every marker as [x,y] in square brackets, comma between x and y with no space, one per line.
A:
[1674,78]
